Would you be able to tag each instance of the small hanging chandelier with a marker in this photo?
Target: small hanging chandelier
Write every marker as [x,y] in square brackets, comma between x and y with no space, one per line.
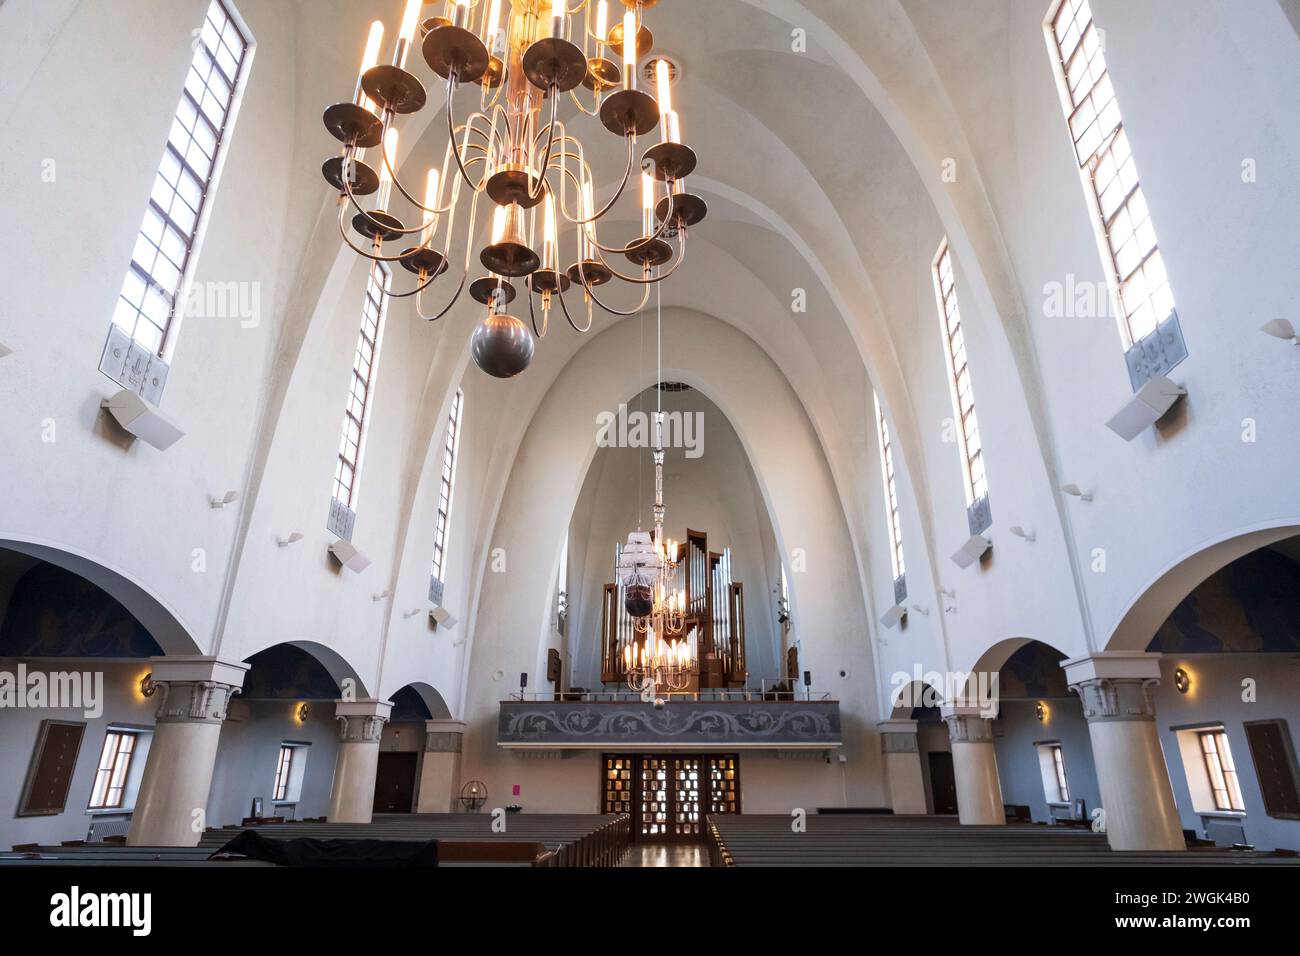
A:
[647,569]
[531,168]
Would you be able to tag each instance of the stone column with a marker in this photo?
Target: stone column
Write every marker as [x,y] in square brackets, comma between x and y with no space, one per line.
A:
[902,759]
[361,724]
[440,766]
[1115,687]
[171,805]
[975,766]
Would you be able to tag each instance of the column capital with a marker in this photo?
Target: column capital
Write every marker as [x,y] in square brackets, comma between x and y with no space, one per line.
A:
[1115,685]
[362,721]
[969,725]
[897,736]
[444,736]
[195,689]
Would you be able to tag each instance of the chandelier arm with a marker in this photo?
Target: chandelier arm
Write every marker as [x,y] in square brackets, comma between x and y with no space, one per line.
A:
[533,194]
[420,287]
[451,133]
[591,291]
[557,163]
[565,306]
[617,251]
[357,249]
[681,257]
[532,316]
[454,299]
[402,231]
[594,111]
[415,202]
[627,175]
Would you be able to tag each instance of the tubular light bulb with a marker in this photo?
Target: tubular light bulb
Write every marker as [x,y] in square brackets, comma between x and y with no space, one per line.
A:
[602,22]
[588,210]
[385,176]
[557,18]
[629,50]
[494,22]
[431,203]
[410,18]
[370,58]
[647,205]
[498,225]
[665,86]
[549,257]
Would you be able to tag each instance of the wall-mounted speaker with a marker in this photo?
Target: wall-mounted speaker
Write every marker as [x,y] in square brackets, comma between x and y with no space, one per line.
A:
[143,420]
[349,555]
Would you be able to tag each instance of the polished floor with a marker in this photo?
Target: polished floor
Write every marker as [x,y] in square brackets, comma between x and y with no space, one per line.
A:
[665,854]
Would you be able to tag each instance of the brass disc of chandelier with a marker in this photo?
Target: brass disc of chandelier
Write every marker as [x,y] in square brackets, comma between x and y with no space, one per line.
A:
[520,159]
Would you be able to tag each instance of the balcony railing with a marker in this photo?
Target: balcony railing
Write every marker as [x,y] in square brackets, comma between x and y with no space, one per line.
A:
[733,719]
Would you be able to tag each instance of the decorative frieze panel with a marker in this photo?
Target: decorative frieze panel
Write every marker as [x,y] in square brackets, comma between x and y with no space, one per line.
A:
[764,724]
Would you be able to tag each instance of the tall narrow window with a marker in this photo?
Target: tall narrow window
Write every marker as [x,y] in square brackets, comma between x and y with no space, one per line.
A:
[146,317]
[1222,771]
[1126,236]
[963,397]
[446,485]
[891,492]
[111,774]
[1058,765]
[283,773]
[357,415]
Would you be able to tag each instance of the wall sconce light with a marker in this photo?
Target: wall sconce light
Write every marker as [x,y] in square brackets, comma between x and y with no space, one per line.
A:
[1182,680]
[1020,532]
[382,595]
[1074,491]
[230,497]
[147,686]
[407,615]
[1040,711]
[304,711]
[1281,329]
[294,538]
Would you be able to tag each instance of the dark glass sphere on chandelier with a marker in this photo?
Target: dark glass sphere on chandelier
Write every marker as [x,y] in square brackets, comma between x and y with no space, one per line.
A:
[513,153]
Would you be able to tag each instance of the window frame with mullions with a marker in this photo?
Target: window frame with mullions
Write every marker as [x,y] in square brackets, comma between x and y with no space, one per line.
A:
[171,244]
[954,347]
[283,774]
[447,484]
[1157,291]
[1062,778]
[893,519]
[1217,771]
[112,771]
[376,301]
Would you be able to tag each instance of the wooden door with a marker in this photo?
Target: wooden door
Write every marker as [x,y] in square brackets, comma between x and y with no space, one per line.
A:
[669,796]
[943,782]
[395,782]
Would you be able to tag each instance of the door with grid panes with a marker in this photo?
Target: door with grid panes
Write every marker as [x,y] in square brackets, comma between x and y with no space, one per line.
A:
[669,796]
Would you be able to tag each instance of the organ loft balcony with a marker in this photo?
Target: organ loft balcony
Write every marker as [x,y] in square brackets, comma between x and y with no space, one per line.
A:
[706,720]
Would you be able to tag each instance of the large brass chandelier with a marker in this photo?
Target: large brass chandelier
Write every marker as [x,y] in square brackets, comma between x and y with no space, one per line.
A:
[521,56]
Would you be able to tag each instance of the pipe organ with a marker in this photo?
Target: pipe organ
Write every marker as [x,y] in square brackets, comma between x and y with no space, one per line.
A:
[715,618]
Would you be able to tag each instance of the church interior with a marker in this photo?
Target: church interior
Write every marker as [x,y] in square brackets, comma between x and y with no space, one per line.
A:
[650,434]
